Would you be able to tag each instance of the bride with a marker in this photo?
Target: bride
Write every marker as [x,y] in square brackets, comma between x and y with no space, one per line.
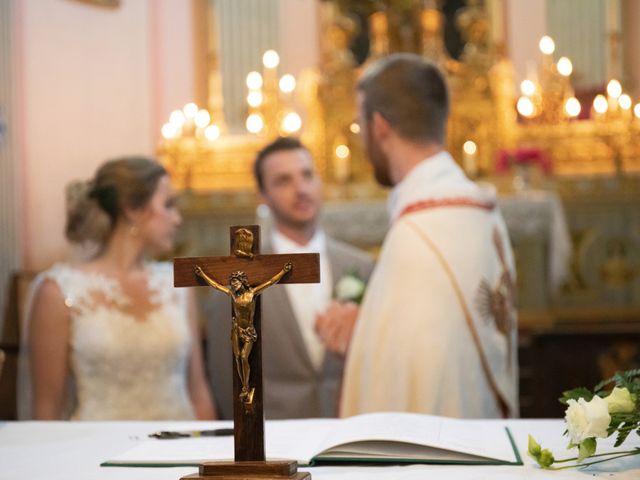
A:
[111,338]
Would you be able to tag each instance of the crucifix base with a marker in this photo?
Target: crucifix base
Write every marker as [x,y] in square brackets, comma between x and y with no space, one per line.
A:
[280,470]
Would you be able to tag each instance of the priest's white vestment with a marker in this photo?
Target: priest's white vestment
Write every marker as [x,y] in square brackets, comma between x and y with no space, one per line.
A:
[436,332]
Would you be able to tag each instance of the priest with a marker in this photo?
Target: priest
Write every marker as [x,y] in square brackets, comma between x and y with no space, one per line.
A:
[436,332]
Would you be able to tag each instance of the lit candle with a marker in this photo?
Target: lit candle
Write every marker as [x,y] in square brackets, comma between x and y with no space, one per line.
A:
[625,104]
[254,123]
[287,83]
[291,123]
[614,90]
[202,118]
[624,101]
[469,161]
[547,45]
[270,59]
[572,107]
[212,132]
[190,110]
[525,107]
[341,167]
[600,106]
[169,131]
[254,98]
[527,87]
[254,81]
[564,66]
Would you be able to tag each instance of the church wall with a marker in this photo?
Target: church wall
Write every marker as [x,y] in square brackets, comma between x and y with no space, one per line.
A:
[172,50]
[526,23]
[299,36]
[632,47]
[95,83]
[10,209]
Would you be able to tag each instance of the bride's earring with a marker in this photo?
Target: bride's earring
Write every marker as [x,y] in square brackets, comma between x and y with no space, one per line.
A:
[133,231]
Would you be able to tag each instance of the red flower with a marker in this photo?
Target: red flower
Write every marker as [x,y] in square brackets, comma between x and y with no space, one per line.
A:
[522,156]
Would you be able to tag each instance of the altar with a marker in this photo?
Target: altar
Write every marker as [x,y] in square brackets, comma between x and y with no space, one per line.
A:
[45,450]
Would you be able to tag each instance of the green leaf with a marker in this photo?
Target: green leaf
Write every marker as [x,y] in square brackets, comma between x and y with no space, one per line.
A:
[617,419]
[534,448]
[622,435]
[586,449]
[602,384]
[575,394]
[630,377]
[621,380]
[625,417]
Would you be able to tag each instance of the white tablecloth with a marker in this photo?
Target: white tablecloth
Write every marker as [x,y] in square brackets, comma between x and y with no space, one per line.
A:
[74,450]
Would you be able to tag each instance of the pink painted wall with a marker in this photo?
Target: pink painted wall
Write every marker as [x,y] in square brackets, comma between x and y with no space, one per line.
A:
[632,47]
[298,35]
[526,23]
[94,83]
[173,58]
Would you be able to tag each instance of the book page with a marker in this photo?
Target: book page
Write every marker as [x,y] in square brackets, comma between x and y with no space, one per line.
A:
[297,440]
[300,440]
[485,438]
[181,451]
[480,438]
[395,451]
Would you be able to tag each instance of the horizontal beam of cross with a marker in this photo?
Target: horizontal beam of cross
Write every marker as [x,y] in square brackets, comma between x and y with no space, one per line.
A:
[260,269]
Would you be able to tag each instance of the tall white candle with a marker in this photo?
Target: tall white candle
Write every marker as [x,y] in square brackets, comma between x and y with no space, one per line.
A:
[469,158]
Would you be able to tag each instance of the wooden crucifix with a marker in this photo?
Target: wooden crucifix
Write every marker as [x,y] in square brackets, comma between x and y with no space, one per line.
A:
[243,276]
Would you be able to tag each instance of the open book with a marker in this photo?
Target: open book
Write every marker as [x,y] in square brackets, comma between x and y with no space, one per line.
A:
[375,437]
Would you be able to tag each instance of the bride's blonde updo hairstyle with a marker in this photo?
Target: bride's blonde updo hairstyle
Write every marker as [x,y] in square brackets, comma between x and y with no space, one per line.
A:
[94,206]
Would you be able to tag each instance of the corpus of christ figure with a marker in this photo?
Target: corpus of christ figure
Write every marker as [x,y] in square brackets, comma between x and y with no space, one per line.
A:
[243,333]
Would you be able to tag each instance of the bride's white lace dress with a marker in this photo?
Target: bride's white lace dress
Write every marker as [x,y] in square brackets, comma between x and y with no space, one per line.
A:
[125,366]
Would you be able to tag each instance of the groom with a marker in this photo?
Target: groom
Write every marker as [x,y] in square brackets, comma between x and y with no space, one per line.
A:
[301,378]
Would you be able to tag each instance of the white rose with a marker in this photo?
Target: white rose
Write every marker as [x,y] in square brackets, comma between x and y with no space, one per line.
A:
[349,287]
[620,401]
[587,419]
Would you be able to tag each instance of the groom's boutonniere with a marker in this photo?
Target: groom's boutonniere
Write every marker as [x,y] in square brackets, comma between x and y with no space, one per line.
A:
[350,288]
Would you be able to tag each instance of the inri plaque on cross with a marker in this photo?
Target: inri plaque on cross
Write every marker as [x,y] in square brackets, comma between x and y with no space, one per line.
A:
[243,276]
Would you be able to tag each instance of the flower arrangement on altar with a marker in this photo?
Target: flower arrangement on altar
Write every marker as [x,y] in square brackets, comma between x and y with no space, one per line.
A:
[350,288]
[596,414]
[507,160]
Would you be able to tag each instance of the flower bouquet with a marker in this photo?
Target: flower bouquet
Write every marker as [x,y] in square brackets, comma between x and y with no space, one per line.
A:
[596,414]
[528,157]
